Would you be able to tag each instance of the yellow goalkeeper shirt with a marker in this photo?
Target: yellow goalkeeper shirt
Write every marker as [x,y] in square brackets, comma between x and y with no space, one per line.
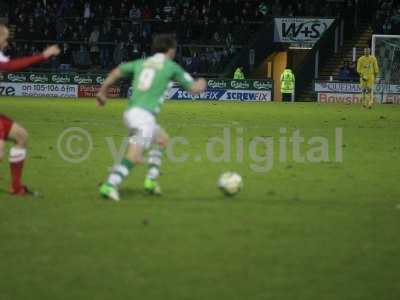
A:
[367,66]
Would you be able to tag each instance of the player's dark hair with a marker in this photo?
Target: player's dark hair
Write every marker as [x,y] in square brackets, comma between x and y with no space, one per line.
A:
[163,42]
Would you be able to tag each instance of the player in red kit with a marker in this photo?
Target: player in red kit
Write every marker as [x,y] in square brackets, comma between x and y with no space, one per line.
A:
[10,130]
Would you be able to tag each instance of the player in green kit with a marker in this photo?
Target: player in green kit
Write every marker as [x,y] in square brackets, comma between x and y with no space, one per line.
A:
[151,79]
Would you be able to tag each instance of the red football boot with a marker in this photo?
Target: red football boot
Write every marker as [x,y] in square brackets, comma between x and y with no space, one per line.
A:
[20,191]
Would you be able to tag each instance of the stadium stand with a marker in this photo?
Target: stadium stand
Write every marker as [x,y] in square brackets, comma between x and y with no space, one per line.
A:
[214,36]
[94,33]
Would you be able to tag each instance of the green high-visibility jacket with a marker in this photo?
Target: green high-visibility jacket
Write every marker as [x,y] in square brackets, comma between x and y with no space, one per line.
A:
[287,82]
[238,74]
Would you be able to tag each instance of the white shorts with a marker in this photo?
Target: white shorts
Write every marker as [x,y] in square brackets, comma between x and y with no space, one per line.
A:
[142,125]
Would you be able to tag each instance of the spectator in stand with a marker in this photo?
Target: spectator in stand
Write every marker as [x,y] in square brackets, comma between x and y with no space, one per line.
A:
[276,9]
[353,72]
[20,31]
[67,33]
[100,12]
[75,41]
[49,32]
[289,12]
[130,40]
[224,26]
[120,54]
[395,20]
[104,39]
[237,29]
[229,40]
[118,37]
[213,65]
[38,12]
[131,46]
[86,10]
[224,58]
[203,64]
[135,52]
[344,72]
[65,58]
[94,48]
[216,40]
[326,10]
[146,13]
[387,27]
[123,10]
[110,12]
[64,7]
[195,63]
[60,28]
[82,57]
[32,34]
[134,12]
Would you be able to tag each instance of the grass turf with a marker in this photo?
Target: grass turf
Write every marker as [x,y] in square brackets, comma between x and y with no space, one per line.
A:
[300,231]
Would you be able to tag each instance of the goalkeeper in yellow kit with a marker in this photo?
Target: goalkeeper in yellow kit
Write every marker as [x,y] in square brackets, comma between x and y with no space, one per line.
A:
[367,68]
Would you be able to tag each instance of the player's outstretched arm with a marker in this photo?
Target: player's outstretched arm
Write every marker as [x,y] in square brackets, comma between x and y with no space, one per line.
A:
[50,51]
[113,77]
[198,86]
[187,82]
[21,63]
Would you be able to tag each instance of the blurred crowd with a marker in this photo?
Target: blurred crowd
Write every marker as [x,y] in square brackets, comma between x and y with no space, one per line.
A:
[101,34]
[348,72]
[387,17]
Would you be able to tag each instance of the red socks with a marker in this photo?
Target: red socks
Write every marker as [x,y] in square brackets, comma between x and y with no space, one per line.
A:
[17,158]
[16,175]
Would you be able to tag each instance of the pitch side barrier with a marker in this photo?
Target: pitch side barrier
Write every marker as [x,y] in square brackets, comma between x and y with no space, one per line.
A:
[73,85]
[228,90]
[69,85]
[350,92]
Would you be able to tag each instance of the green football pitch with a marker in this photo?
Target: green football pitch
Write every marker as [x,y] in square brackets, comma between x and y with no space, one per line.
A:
[319,220]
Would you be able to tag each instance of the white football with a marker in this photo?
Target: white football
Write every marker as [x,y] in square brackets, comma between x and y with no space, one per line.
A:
[230,183]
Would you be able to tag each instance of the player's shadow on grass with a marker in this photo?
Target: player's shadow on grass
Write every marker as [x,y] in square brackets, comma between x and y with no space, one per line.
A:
[139,194]
[132,194]
[3,192]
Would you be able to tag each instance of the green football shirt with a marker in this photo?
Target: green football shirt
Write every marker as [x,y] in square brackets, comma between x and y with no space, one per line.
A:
[151,80]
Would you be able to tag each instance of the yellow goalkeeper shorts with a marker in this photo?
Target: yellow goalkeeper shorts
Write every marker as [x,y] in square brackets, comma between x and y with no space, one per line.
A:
[367,82]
